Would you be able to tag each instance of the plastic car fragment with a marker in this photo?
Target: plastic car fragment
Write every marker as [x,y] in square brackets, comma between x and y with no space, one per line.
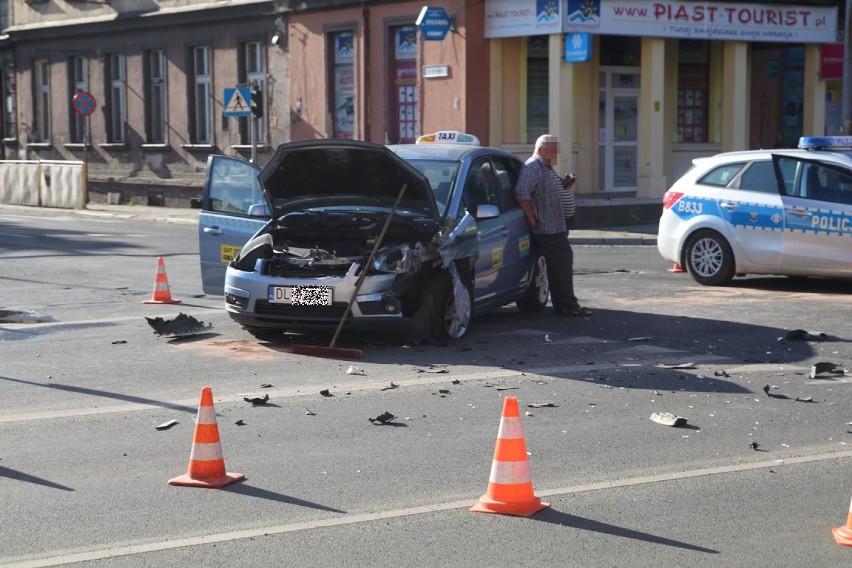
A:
[257,401]
[166,425]
[676,365]
[181,326]
[383,418]
[668,419]
[803,335]
[767,390]
[824,368]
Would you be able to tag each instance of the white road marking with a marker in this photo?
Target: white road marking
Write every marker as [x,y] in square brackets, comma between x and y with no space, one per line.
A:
[115,550]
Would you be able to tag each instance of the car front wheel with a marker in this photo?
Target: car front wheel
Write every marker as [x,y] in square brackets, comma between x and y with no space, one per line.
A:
[445,321]
[535,298]
[709,258]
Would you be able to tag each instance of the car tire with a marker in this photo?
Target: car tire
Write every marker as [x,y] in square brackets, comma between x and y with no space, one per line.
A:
[264,333]
[444,322]
[535,297]
[709,258]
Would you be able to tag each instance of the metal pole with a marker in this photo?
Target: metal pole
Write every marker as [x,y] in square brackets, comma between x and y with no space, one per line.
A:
[846,96]
[253,120]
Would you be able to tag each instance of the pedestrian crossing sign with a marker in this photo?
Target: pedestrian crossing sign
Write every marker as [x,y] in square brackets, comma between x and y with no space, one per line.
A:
[237,101]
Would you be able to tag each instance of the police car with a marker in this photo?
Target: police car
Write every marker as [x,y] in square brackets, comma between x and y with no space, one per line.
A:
[435,225]
[785,212]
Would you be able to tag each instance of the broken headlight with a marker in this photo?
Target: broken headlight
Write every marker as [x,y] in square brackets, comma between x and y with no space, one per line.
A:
[395,260]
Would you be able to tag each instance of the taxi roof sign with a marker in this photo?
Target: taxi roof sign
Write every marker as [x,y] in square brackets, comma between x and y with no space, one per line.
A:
[824,142]
[449,137]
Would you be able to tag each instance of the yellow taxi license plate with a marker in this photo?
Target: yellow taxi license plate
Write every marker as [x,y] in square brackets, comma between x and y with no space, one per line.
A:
[229,253]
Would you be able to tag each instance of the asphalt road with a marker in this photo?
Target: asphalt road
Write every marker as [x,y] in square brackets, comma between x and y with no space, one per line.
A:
[83,471]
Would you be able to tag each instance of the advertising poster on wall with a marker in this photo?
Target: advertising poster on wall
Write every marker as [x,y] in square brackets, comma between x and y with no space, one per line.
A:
[518,18]
[344,85]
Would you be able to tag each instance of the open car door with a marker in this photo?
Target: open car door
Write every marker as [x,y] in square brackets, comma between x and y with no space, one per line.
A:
[232,210]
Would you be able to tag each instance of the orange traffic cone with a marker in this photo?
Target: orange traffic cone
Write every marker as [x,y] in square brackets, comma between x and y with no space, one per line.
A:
[206,464]
[676,268]
[843,535]
[161,286]
[510,490]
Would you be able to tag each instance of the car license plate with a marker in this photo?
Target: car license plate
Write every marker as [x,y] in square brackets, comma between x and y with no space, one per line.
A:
[301,295]
[229,252]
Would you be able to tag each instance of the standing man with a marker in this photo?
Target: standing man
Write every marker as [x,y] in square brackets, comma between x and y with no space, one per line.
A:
[539,191]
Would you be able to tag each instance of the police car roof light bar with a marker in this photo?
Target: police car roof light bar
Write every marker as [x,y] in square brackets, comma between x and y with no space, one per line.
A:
[825,142]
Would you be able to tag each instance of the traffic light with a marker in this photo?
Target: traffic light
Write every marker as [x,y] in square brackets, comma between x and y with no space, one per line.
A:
[256,102]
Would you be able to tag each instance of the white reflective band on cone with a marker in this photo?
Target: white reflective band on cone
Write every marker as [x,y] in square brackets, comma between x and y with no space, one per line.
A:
[510,428]
[507,473]
[206,452]
[206,415]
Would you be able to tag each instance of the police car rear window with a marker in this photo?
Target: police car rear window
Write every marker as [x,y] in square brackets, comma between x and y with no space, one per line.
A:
[721,176]
[760,176]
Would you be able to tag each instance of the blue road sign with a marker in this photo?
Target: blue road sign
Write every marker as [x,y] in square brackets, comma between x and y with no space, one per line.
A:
[434,23]
[237,101]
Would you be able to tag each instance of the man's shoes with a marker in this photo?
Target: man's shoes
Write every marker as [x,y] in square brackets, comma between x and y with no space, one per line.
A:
[578,311]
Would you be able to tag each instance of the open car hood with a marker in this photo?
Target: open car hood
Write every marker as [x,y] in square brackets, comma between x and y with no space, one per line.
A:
[312,173]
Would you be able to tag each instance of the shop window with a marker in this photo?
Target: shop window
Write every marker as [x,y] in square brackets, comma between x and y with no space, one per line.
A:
[620,51]
[402,103]
[342,81]
[155,102]
[41,108]
[692,90]
[253,73]
[201,128]
[79,76]
[537,87]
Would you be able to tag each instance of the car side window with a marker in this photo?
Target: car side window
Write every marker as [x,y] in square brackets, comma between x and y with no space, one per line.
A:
[234,186]
[825,183]
[721,176]
[506,173]
[480,187]
[759,176]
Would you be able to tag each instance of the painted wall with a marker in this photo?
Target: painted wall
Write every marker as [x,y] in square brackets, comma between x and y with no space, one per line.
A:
[459,101]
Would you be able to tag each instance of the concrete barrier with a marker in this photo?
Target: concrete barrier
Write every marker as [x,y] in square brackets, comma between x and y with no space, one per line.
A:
[45,183]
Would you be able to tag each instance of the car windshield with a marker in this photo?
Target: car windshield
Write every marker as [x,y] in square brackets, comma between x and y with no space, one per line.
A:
[442,177]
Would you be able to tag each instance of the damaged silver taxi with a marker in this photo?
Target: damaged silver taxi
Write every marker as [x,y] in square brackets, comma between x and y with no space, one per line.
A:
[434,225]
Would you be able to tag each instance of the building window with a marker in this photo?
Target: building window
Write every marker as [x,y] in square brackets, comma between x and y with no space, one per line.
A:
[79,75]
[8,93]
[202,131]
[41,92]
[343,84]
[116,102]
[402,103]
[693,89]
[538,112]
[253,73]
[155,102]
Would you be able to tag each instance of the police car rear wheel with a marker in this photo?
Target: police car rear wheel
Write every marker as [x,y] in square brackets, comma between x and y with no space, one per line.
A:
[535,298]
[709,258]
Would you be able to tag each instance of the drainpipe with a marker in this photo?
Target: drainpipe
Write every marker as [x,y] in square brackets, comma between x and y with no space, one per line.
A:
[365,24]
[846,97]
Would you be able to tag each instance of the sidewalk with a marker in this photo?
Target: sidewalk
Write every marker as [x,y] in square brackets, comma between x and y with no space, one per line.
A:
[645,234]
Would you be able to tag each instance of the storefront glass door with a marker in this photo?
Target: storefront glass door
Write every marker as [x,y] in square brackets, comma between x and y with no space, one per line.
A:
[618,142]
